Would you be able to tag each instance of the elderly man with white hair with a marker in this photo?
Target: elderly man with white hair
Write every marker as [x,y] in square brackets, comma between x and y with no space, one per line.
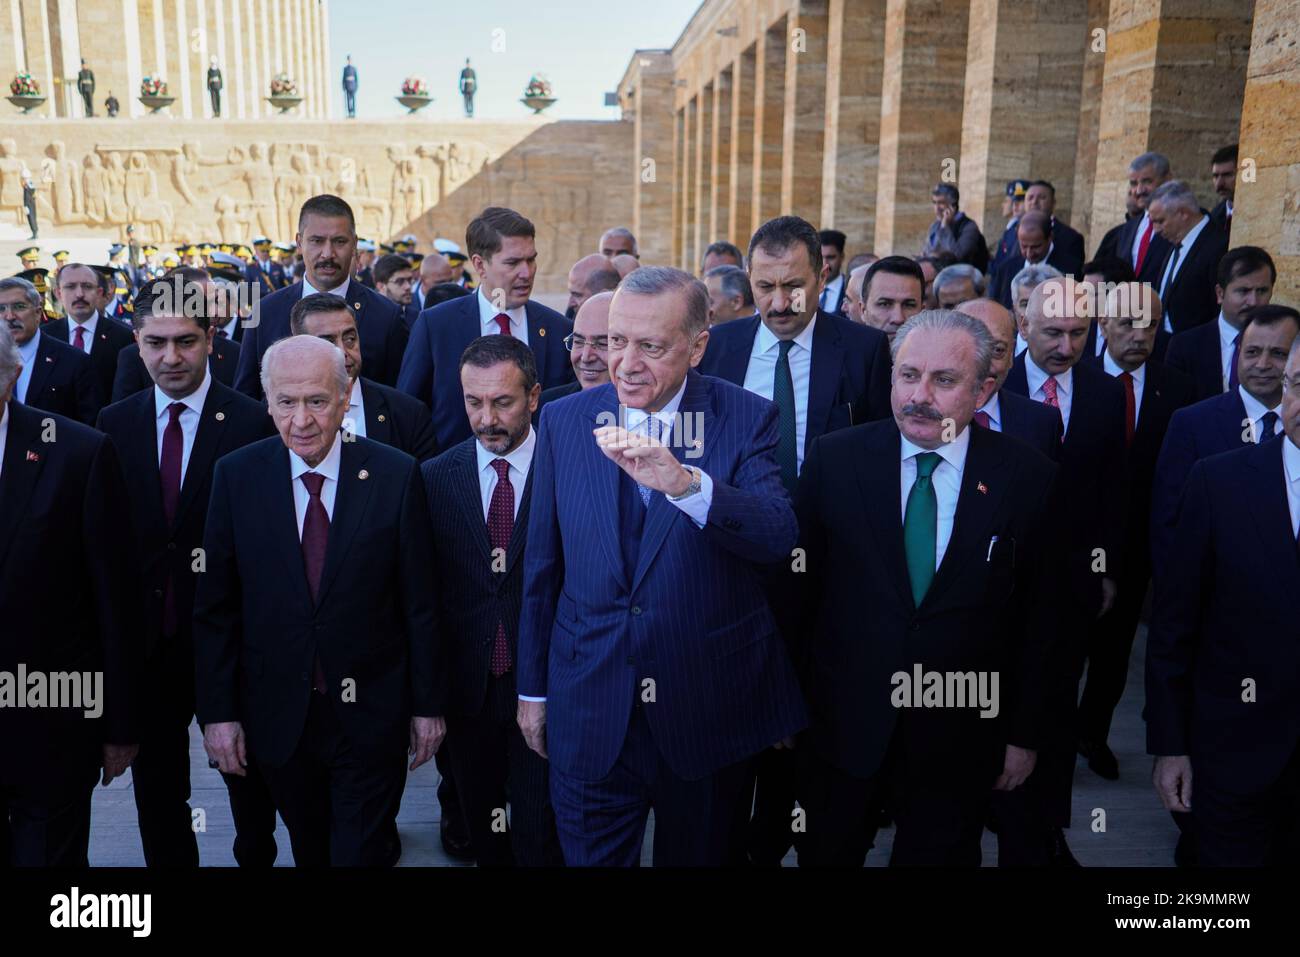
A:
[314,638]
[1190,270]
[958,283]
[1022,285]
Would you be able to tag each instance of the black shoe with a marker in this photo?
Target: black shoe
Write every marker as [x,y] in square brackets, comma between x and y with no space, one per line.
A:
[1058,851]
[1101,760]
[455,841]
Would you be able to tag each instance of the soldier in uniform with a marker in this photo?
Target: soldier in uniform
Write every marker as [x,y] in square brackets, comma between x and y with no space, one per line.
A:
[365,262]
[29,202]
[468,86]
[111,105]
[86,87]
[350,88]
[214,87]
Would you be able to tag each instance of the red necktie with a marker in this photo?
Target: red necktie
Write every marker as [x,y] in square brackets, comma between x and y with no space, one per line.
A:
[1143,246]
[79,337]
[504,322]
[315,536]
[169,472]
[1130,407]
[1049,393]
[982,418]
[501,524]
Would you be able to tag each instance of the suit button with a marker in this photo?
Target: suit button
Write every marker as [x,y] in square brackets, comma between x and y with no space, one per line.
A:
[636,610]
[157,593]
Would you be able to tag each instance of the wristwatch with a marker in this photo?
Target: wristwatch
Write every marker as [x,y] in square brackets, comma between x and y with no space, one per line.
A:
[697,479]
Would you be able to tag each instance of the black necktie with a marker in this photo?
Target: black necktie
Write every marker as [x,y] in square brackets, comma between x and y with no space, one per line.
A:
[1267,426]
[787,429]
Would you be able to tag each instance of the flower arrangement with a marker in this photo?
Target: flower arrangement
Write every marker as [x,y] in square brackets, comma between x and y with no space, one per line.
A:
[153,86]
[538,86]
[415,86]
[24,84]
[282,85]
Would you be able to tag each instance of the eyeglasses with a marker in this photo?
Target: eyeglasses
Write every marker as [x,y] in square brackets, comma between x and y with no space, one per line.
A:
[576,343]
[15,307]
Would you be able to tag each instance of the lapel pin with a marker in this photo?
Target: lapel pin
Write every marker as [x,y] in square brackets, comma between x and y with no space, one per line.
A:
[981,488]
[33,456]
[49,358]
[363,475]
[356,305]
[541,332]
[381,417]
[221,416]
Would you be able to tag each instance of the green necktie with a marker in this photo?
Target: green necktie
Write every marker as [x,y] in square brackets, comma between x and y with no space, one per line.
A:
[920,526]
[783,396]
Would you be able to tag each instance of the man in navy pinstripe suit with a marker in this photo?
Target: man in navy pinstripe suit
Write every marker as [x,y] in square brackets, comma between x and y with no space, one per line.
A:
[650,669]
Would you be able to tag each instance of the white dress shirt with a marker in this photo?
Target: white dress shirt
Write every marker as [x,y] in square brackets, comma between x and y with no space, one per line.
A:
[487,317]
[945,479]
[1255,411]
[1290,468]
[230,328]
[520,461]
[340,290]
[993,408]
[4,434]
[189,420]
[761,372]
[328,467]
[88,337]
[1139,381]
[695,506]
[27,352]
[355,419]
[1226,336]
[831,294]
[1064,387]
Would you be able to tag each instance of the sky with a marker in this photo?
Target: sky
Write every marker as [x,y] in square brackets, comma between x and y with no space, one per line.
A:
[581,46]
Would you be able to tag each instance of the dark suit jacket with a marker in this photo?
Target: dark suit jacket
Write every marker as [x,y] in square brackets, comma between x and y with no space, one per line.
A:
[1070,241]
[431,366]
[1189,300]
[395,419]
[132,376]
[473,597]
[1109,245]
[836,303]
[1000,280]
[66,596]
[229,421]
[698,624]
[979,614]
[556,392]
[1225,613]
[1032,423]
[850,370]
[1219,216]
[1157,250]
[257,632]
[1092,466]
[1195,353]
[1008,245]
[382,337]
[1213,425]
[410,312]
[111,337]
[63,382]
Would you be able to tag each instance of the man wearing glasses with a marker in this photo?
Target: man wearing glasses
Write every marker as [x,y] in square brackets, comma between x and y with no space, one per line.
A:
[588,347]
[55,377]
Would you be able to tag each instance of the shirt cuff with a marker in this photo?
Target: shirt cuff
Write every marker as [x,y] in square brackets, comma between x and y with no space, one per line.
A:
[697,506]
[524,697]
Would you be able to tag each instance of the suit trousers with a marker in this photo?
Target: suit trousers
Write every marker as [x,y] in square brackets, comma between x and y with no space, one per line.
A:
[492,766]
[1237,829]
[45,830]
[768,834]
[160,778]
[338,804]
[602,823]
[1109,650]
[253,811]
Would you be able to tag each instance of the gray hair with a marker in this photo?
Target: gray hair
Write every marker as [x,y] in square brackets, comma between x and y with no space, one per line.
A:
[31,292]
[1158,160]
[1175,193]
[1032,276]
[734,282]
[10,360]
[622,232]
[945,322]
[660,280]
[297,348]
[956,273]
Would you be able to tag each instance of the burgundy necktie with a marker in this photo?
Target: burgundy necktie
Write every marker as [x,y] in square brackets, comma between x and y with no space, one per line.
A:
[1130,407]
[501,523]
[1049,393]
[1232,366]
[1143,246]
[982,418]
[79,337]
[169,473]
[315,536]
[503,321]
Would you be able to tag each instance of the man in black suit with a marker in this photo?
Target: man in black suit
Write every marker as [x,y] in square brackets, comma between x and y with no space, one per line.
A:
[1221,670]
[588,347]
[1041,197]
[331,670]
[1091,538]
[1031,422]
[834,280]
[61,495]
[946,528]
[375,411]
[1137,239]
[1187,277]
[55,377]
[327,237]
[86,327]
[478,495]
[1037,246]
[170,438]
[1129,319]
[1223,171]
[1109,245]
[1208,353]
[503,251]
[893,291]
[394,279]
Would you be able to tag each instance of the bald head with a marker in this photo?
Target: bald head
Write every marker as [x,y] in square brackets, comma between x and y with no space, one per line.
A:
[625,264]
[434,268]
[1034,235]
[1001,325]
[590,275]
[590,350]
[1056,323]
[853,291]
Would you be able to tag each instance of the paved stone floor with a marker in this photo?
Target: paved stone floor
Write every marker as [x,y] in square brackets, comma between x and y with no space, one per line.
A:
[1138,832]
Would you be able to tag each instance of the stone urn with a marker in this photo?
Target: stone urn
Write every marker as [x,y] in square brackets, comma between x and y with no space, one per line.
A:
[538,103]
[27,101]
[414,102]
[157,103]
[284,103]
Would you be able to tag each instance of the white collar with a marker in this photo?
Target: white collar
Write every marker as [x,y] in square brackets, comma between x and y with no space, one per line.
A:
[992,408]
[1112,368]
[1226,332]
[340,290]
[766,341]
[954,452]
[328,467]
[194,401]
[90,325]
[487,312]
[635,418]
[1290,459]
[519,459]
[1254,408]
[1036,377]
[354,399]
[1187,241]
[28,349]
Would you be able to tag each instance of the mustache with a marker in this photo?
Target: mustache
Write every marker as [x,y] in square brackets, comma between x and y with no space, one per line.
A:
[923,410]
[490,433]
[782,314]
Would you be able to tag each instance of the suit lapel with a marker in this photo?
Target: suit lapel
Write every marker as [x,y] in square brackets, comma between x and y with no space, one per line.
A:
[350,502]
[537,333]
[983,485]
[1269,508]
[46,360]
[212,424]
[878,482]
[734,362]
[1017,380]
[284,518]
[519,533]
[21,472]
[468,497]
[824,378]
[140,456]
[379,418]
[602,477]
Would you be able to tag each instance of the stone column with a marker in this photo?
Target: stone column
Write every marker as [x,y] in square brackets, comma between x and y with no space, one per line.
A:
[11,39]
[36,32]
[201,46]
[327,71]
[720,161]
[177,37]
[1266,208]
[105,37]
[647,96]
[920,116]
[704,168]
[855,54]
[1085,162]
[1174,80]
[804,112]
[679,174]
[65,50]
[266,63]
[690,174]
[769,123]
[740,212]
[1024,74]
